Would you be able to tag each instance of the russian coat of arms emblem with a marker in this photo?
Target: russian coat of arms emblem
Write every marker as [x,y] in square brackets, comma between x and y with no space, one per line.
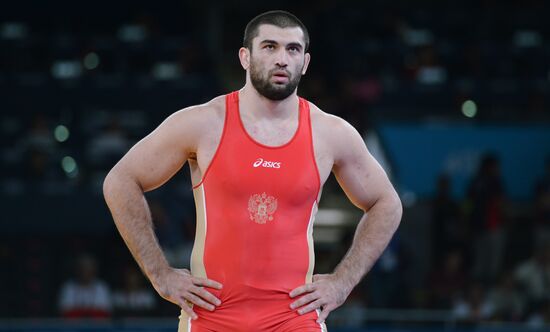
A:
[261,208]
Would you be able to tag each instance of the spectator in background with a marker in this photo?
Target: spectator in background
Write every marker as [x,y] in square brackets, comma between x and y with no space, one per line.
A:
[448,280]
[86,296]
[37,167]
[541,317]
[486,196]
[506,299]
[170,234]
[542,207]
[40,136]
[474,306]
[386,287]
[39,150]
[134,299]
[106,147]
[447,230]
[533,276]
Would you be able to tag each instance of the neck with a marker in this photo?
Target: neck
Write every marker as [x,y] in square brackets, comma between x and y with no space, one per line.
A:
[258,106]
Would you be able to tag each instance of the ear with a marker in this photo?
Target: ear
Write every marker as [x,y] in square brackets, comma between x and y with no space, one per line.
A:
[244,57]
[307,58]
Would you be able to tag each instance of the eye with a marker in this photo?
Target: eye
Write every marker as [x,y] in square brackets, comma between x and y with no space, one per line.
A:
[269,47]
[293,49]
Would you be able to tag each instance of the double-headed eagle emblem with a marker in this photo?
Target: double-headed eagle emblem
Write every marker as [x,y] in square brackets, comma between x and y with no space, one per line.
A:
[261,207]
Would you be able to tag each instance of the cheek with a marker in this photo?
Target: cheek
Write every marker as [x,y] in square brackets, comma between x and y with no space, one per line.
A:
[299,67]
[257,66]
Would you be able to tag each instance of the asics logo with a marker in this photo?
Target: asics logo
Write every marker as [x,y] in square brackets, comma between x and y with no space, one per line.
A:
[260,162]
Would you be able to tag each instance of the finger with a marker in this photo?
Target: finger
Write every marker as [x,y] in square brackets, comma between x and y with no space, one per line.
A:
[307,288]
[206,283]
[206,295]
[324,314]
[303,300]
[310,307]
[188,310]
[200,302]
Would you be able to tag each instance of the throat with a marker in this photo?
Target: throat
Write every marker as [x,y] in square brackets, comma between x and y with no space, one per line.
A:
[273,134]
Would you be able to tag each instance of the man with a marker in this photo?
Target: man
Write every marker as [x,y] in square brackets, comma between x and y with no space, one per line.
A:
[258,160]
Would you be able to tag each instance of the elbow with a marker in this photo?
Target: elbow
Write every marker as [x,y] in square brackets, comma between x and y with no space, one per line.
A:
[119,181]
[109,184]
[112,182]
[395,208]
[398,208]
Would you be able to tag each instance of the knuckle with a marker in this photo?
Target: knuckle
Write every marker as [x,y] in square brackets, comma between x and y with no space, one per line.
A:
[202,293]
[192,298]
[167,294]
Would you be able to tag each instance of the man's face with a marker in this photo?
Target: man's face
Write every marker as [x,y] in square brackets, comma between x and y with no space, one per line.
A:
[277,61]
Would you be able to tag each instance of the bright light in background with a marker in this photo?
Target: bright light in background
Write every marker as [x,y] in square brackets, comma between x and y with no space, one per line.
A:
[91,61]
[69,166]
[13,30]
[132,33]
[61,133]
[469,109]
[66,69]
[166,70]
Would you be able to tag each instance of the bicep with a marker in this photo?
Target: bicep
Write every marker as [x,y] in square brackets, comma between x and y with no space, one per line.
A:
[359,174]
[157,157]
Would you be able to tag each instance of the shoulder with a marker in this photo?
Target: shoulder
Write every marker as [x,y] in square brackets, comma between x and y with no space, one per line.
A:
[203,113]
[327,122]
[186,128]
[332,130]
[191,123]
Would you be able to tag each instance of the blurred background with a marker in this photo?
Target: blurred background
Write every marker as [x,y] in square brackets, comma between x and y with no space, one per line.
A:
[452,98]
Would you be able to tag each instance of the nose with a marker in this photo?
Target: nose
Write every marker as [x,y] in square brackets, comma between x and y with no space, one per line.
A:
[282,58]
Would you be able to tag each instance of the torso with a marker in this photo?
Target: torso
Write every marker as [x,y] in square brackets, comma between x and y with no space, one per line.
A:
[254,219]
[273,136]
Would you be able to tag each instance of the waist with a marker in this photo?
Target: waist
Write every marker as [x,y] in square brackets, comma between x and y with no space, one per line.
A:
[237,297]
[249,308]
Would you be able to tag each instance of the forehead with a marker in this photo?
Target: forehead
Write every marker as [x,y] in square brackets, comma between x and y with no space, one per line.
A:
[280,35]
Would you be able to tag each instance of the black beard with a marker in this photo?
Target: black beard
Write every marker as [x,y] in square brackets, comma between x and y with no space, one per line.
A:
[270,90]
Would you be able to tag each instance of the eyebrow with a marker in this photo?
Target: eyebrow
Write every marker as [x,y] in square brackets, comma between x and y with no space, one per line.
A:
[292,44]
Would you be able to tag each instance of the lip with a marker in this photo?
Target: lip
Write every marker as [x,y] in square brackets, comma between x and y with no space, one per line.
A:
[280,79]
[280,74]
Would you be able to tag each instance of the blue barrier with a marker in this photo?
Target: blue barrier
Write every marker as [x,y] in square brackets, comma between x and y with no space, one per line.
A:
[420,152]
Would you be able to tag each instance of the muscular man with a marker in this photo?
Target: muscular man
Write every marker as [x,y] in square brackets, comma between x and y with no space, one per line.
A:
[258,158]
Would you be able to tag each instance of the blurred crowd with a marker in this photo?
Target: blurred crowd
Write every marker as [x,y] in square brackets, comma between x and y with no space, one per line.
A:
[102,85]
[489,261]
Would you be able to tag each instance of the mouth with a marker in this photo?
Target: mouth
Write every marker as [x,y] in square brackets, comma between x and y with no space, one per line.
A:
[280,77]
[280,74]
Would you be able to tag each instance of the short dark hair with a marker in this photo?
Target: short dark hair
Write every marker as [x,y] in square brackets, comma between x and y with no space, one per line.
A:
[278,18]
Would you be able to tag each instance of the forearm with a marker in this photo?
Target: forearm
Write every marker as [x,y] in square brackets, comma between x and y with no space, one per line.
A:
[133,220]
[372,236]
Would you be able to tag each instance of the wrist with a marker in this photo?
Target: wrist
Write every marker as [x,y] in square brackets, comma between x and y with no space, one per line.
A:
[346,280]
[157,274]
